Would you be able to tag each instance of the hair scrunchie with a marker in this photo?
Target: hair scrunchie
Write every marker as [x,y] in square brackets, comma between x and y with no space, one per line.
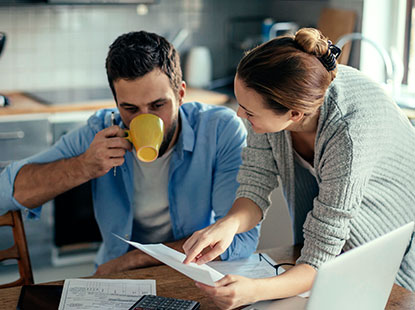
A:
[329,58]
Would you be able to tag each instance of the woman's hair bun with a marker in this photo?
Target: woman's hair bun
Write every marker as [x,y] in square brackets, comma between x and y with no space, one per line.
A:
[311,41]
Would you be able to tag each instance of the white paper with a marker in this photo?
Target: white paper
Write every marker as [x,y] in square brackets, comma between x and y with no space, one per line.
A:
[251,267]
[103,294]
[200,273]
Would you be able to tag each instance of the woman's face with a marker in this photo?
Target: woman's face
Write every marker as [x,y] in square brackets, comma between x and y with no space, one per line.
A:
[252,108]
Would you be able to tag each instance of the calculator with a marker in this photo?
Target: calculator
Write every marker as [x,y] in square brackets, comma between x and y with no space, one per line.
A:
[152,302]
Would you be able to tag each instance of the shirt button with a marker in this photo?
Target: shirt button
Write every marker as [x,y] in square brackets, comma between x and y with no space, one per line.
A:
[126,236]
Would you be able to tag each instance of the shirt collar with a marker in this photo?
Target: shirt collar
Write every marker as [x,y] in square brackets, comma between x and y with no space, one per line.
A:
[187,136]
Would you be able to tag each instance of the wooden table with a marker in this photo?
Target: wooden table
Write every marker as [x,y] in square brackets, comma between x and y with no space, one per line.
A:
[171,283]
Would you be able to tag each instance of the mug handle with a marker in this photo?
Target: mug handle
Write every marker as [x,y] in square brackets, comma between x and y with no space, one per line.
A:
[128,137]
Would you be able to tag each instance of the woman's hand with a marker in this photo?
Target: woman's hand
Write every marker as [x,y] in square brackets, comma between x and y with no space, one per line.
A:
[232,291]
[217,237]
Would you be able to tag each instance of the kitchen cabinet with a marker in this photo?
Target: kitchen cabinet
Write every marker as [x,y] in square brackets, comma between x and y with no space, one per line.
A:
[23,136]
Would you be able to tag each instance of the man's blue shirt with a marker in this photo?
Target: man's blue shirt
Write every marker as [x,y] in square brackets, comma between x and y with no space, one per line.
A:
[202,178]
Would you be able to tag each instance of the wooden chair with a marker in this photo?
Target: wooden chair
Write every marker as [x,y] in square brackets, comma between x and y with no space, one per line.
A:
[19,250]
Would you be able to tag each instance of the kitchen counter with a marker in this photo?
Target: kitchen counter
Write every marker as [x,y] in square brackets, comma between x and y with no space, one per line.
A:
[22,104]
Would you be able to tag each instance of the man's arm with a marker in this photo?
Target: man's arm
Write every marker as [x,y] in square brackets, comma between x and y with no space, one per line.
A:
[36,184]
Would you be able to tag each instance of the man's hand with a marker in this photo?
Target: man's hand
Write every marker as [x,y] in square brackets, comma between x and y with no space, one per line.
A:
[107,150]
[37,183]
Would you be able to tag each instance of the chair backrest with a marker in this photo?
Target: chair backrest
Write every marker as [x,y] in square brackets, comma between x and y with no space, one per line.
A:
[19,250]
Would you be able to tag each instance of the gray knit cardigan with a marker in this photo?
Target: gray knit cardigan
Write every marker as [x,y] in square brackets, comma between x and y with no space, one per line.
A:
[364,162]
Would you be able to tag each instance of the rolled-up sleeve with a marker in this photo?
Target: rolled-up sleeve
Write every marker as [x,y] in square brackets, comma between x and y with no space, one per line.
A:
[7,201]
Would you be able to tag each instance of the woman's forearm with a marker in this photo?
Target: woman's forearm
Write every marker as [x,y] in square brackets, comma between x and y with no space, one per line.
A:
[297,280]
[233,291]
[246,213]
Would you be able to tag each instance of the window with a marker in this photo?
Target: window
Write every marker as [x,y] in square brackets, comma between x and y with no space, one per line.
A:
[409,77]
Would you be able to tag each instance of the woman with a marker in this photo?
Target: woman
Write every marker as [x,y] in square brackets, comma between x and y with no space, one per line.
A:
[344,153]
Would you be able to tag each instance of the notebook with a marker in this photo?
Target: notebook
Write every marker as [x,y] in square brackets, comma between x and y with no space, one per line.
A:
[361,278]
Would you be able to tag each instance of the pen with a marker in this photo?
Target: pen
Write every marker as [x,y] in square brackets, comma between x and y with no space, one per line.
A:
[112,124]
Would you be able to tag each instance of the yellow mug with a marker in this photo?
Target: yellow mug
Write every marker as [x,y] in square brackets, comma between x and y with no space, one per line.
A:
[146,134]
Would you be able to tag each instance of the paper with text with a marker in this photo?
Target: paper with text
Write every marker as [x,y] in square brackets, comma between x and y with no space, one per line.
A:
[103,294]
[251,267]
[200,273]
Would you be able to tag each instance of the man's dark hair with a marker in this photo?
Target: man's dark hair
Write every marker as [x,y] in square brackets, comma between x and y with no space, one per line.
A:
[134,54]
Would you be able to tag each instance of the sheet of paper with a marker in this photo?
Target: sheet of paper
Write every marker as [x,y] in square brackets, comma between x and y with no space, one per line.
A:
[251,267]
[174,259]
[103,294]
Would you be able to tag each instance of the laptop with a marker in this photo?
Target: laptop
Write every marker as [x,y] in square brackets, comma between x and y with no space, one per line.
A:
[361,278]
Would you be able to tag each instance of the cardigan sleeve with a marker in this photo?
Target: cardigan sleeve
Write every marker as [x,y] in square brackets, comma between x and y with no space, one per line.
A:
[258,174]
[344,169]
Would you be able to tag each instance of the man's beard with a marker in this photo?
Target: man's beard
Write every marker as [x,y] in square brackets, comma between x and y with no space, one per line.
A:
[167,139]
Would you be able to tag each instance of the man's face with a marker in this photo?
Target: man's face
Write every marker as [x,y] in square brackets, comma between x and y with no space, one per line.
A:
[151,94]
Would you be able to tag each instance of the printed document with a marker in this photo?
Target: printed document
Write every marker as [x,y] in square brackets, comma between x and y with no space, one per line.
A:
[103,294]
[252,267]
[200,273]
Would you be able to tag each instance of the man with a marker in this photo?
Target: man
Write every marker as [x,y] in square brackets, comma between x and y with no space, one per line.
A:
[191,184]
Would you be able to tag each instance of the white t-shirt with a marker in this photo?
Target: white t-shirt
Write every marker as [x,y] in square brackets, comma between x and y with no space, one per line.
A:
[151,202]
